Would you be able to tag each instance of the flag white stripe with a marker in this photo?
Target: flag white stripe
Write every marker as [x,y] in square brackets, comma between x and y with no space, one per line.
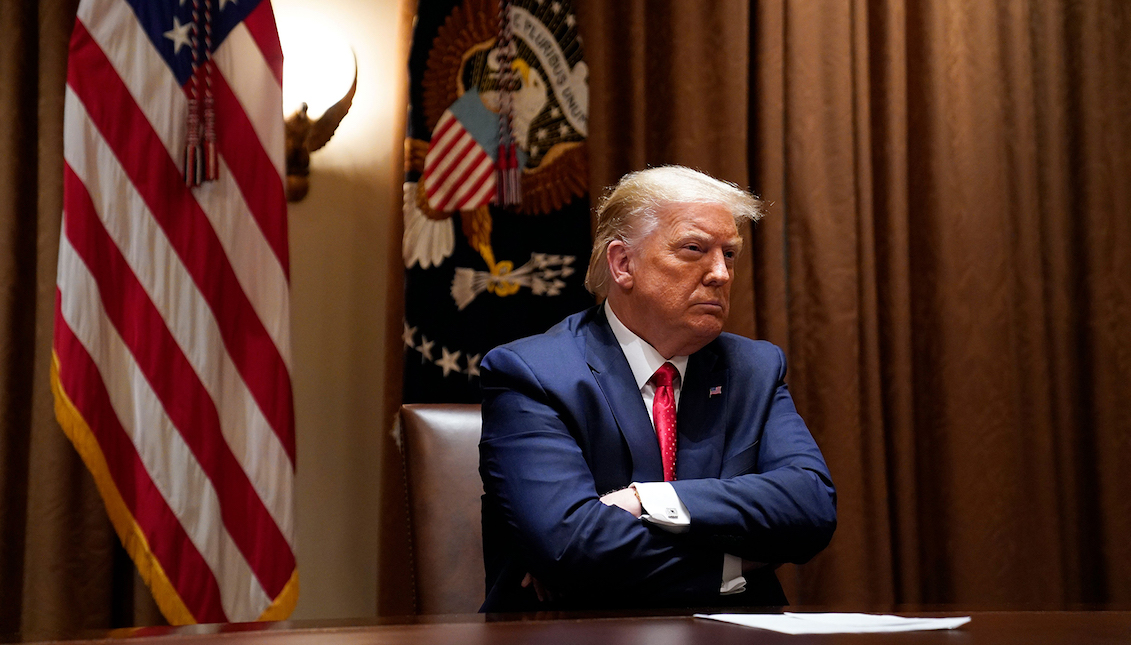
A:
[446,193]
[170,463]
[483,197]
[255,264]
[241,62]
[456,134]
[113,25]
[188,317]
[451,196]
[467,147]
[447,133]
[485,166]
[164,104]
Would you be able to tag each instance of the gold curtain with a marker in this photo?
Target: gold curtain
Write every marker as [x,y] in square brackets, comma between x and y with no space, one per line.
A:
[952,189]
[61,568]
[947,262]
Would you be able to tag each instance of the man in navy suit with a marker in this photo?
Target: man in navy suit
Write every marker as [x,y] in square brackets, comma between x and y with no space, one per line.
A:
[634,455]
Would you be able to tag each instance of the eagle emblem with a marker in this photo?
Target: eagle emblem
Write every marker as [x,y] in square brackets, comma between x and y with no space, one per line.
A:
[506,102]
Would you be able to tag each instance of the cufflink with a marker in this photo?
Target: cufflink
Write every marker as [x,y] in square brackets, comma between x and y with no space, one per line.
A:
[672,513]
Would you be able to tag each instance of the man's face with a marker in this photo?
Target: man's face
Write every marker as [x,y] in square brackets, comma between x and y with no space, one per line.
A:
[681,275]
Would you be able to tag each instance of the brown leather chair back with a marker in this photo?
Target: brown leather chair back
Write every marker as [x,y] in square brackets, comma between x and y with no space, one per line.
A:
[443,489]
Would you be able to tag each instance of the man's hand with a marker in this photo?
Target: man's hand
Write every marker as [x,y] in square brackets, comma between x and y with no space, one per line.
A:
[625,498]
[544,594]
[748,566]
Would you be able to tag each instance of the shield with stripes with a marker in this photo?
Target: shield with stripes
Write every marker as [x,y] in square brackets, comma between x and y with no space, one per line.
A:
[458,173]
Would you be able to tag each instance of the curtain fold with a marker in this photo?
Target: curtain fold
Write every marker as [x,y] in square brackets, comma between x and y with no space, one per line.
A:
[17,287]
[61,568]
[951,184]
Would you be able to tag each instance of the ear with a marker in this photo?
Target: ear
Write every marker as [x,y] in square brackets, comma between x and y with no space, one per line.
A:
[620,264]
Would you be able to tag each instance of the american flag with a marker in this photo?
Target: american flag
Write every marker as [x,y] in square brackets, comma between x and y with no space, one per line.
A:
[171,366]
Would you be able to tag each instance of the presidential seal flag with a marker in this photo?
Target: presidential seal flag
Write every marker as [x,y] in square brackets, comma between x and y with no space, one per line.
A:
[171,363]
[496,206]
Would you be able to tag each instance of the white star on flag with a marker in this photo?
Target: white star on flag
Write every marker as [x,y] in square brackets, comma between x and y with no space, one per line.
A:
[179,35]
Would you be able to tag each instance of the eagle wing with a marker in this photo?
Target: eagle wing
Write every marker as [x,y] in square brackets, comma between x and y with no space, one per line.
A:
[324,127]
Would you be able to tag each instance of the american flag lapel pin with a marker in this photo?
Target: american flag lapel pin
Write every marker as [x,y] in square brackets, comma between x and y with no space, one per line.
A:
[718,389]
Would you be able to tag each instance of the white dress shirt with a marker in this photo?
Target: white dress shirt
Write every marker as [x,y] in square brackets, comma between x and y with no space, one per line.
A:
[659,500]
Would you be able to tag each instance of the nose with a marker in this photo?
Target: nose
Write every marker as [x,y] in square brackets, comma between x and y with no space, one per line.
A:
[719,271]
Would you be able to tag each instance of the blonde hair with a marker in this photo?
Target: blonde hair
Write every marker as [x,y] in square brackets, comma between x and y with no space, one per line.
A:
[628,211]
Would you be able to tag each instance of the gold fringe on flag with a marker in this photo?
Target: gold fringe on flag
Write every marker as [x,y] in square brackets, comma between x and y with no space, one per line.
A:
[133,539]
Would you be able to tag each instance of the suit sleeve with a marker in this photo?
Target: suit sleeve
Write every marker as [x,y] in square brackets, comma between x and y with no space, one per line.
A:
[535,471]
[774,501]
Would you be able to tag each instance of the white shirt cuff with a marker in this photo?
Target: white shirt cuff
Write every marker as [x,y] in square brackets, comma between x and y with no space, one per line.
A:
[663,507]
[733,582]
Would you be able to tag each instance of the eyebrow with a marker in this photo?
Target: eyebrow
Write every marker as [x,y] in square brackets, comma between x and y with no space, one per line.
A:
[736,242]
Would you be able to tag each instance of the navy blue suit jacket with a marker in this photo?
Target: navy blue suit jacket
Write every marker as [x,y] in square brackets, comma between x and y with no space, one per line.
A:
[564,423]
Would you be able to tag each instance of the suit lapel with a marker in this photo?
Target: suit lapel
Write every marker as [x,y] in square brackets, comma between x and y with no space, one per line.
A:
[701,416]
[614,376]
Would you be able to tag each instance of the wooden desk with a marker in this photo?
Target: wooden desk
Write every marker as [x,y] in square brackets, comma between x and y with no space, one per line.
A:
[986,628]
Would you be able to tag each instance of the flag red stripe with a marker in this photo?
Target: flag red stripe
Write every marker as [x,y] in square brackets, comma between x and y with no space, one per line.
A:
[251,168]
[158,180]
[486,173]
[261,24]
[447,122]
[468,147]
[477,159]
[477,167]
[485,191]
[176,384]
[454,189]
[183,565]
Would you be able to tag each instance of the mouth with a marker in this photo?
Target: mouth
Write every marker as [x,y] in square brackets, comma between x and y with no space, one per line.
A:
[714,305]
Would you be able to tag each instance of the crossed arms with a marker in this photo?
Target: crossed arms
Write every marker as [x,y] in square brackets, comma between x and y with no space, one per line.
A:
[541,457]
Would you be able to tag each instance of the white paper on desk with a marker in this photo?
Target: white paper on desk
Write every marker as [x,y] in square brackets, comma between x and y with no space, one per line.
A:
[798,623]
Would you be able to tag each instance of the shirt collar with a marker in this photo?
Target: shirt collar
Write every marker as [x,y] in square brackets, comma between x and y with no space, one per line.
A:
[643,359]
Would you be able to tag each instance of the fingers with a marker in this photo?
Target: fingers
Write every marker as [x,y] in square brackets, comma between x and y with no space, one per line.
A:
[625,499]
[541,591]
[544,594]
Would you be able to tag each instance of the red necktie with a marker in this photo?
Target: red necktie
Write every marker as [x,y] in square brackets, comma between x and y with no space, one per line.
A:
[663,415]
